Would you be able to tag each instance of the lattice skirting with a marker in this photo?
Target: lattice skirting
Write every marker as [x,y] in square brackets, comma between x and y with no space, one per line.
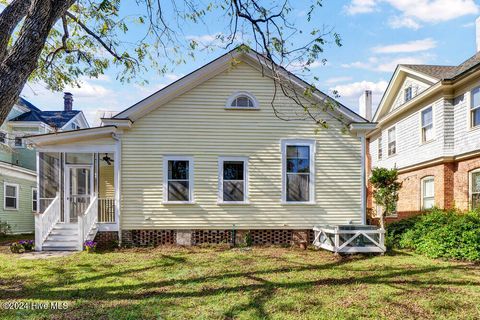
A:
[211,236]
[106,239]
[142,238]
[148,238]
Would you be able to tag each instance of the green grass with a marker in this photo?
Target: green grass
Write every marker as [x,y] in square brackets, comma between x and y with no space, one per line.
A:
[216,283]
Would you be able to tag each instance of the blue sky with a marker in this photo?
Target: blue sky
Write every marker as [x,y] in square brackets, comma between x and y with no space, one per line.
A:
[376,35]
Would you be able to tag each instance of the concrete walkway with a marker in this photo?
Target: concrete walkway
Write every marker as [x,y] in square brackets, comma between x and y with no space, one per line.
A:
[45,254]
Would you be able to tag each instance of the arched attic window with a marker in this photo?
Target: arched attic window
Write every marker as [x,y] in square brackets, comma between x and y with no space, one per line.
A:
[242,100]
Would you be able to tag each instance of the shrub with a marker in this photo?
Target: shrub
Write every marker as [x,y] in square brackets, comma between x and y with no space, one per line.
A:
[22,246]
[439,234]
[4,228]
[16,247]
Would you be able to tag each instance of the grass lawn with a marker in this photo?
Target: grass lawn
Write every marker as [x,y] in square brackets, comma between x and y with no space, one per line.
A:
[216,283]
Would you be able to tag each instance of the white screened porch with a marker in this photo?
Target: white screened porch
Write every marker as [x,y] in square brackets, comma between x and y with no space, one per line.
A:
[77,198]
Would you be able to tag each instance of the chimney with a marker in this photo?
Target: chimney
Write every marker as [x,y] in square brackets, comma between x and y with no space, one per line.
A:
[365,105]
[477,33]
[67,101]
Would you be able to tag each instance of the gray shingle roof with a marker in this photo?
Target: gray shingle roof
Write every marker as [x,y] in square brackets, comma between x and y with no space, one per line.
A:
[446,72]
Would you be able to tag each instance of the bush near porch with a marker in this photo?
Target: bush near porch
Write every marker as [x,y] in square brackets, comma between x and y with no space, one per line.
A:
[258,283]
[439,234]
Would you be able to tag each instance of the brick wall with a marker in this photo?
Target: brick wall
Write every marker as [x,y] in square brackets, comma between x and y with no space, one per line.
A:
[461,182]
[106,239]
[451,188]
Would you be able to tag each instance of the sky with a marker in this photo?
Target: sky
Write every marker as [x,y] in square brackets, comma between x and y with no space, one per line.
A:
[376,36]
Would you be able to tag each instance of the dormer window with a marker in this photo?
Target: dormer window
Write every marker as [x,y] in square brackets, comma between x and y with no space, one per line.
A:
[408,94]
[242,100]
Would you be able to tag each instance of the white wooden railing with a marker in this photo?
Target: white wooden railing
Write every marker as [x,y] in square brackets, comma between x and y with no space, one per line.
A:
[357,239]
[44,222]
[106,210]
[86,221]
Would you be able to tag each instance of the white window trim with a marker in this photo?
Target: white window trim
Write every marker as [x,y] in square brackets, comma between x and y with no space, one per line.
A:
[190,179]
[237,94]
[15,144]
[421,126]
[405,93]
[17,189]
[470,110]
[422,191]
[388,142]
[380,147]
[470,185]
[221,160]
[6,137]
[298,142]
[34,189]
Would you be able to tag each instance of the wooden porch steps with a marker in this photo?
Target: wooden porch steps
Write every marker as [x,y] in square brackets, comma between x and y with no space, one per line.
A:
[64,237]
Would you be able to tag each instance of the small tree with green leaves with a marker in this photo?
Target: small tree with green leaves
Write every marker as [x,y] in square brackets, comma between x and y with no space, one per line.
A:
[386,187]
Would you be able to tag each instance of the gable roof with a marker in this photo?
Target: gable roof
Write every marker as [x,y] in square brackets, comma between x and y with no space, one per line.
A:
[215,67]
[446,72]
[55,119]
[27,104]
[433,74]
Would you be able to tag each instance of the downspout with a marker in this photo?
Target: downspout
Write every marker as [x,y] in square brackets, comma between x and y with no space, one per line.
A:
[118,162]
[364,178]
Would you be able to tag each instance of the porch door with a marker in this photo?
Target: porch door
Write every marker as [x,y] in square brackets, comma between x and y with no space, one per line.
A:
[78,186]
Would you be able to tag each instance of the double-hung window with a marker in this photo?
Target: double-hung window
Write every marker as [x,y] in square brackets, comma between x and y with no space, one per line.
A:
[408,94]
[380,148]
[427,124]
[298,171]
[233,180]
[178,179]
[475,189]
[10,196]
[392,141]
[428,192]
[34,199]
[475,108]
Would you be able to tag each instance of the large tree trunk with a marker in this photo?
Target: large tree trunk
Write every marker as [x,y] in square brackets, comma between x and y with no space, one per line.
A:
[22,59]
[9,19]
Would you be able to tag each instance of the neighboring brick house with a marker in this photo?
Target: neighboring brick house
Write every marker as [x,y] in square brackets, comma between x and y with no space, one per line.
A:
[429,129]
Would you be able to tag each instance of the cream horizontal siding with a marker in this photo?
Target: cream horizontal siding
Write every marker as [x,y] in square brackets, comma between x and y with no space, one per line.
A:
[196,124]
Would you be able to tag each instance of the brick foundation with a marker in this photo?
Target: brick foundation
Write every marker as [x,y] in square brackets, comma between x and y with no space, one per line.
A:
[142,238]
[451,188]
[106,239]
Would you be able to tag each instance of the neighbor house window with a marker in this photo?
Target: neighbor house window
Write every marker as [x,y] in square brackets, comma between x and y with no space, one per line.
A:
[475,189]
[298,171]
[34,199]
[428,192]
[3,137]
[392,141]
[10,195]
[18,142]
[178,182]
[233,179]
[408,94]
[380,148]
[242,100]
[475,108]
[427,124]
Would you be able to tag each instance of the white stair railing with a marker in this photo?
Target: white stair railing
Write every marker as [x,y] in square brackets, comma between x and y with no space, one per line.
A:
[86,221]
[44,222]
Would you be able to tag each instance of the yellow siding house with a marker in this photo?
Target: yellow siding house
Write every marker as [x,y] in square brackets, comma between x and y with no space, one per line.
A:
[206,160]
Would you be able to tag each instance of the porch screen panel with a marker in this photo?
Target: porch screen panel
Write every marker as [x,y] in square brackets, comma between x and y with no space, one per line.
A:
[49,178]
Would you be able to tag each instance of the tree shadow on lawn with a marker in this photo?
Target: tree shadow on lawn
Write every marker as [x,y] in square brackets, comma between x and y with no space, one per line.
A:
[254,283]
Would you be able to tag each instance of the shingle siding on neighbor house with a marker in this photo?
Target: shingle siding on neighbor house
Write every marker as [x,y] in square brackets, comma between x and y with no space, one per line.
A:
[410,149]
[449,159]
[196,124]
